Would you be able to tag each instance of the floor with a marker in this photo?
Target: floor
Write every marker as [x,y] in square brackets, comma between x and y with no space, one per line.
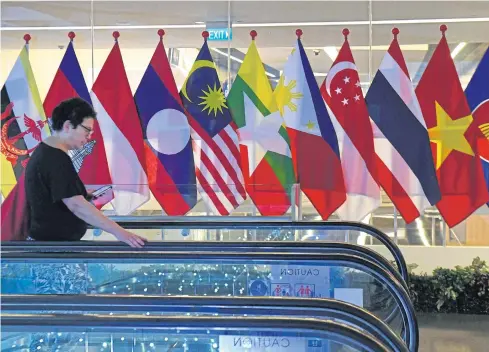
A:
[453,333]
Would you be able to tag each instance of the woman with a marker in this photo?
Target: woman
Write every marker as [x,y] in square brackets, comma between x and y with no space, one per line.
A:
[57,198]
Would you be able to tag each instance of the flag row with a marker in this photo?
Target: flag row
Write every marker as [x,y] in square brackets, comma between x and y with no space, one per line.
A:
[424,146]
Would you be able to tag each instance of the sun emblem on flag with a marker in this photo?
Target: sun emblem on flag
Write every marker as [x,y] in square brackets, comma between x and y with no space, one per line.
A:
[213,100]
[284,95]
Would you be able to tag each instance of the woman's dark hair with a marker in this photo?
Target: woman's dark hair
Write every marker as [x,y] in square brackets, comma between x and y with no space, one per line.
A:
[73,110]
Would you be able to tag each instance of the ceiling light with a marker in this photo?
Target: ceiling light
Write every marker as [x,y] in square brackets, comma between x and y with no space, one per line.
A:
[234,58]
[458,49]
[261,25]
[331,51]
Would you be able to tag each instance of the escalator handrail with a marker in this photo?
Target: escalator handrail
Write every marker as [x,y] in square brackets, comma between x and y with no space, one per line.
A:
[215,246]
[320,328]
[394,286]
[287,306]
[152,222]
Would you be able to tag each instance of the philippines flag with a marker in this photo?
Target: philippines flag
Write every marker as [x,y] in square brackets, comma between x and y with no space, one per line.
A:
[477,93]
[118,119]
[406,169]
[343,95]
[214,137]
[166,131]
[314,146]
[90,161]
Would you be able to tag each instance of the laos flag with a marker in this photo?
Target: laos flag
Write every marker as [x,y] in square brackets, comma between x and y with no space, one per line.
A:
[166,131]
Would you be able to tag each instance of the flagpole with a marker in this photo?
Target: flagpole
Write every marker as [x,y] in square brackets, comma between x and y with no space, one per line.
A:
[27,38]
[395,225]
[229,46]
[370,39]
[92,34]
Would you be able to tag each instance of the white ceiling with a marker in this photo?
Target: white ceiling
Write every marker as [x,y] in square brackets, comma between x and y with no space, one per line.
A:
[274,42]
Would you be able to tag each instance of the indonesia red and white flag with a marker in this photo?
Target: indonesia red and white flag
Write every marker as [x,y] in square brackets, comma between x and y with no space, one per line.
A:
[348,112]
[121,130]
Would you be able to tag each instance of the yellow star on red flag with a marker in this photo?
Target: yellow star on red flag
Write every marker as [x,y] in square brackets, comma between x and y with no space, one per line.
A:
[448,135]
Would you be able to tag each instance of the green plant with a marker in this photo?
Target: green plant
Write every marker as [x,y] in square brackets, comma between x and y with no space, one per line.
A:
[458,290]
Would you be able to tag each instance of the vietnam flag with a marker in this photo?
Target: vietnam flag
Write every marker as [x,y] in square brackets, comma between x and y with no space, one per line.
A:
[453,137]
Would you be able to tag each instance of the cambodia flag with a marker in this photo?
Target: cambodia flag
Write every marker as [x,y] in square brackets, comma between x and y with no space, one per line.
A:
[90,161]
[477,93]
[166,132]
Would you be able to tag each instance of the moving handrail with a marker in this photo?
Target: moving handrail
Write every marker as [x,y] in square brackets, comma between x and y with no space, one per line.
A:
[208,246]
[263,306]
[394,287]
[312,328]
[153,222]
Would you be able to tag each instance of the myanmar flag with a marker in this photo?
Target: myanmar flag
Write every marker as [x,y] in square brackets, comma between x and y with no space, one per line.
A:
[24,123]
[264,144]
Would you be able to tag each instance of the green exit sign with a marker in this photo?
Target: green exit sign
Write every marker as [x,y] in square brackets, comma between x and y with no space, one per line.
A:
[220,34]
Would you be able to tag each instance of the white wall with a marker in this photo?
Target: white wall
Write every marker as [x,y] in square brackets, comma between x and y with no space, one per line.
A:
[429,258]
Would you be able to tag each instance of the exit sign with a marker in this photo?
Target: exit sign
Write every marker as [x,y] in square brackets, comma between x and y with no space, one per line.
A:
[220,34]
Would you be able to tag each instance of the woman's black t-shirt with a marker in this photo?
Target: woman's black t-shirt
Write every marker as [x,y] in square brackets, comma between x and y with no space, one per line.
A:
[50,177]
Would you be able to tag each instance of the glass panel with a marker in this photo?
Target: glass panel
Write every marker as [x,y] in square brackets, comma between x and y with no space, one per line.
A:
[206,278]
[248,338]
[304,234]
[419,36]
[366,323]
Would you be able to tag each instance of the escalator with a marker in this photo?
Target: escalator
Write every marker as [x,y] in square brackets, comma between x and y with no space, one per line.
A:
[340,276]
[216,273]
[325,309]
[303,235]
[73,333]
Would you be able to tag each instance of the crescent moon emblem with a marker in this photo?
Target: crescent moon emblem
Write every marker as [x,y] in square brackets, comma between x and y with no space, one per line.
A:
[340,66]
[198,64]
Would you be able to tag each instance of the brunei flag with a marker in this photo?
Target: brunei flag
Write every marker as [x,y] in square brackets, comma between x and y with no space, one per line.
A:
[23,121]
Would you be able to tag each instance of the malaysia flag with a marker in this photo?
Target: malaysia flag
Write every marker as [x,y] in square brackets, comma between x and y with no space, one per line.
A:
[90,161]
[406,169]
[166,131]
[214,137]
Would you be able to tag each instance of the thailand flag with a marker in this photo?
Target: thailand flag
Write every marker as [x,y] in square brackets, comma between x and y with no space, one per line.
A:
[314,146]
[90,161]
[166,131]
[118,119]
[477,93]
[406,169]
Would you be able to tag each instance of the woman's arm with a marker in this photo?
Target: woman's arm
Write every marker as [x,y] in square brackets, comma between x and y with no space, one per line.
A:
[79,206]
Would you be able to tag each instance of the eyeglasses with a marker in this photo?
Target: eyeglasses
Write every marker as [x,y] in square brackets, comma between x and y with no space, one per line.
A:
[88,130]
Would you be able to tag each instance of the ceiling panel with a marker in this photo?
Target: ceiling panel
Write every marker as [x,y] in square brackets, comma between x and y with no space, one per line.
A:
[274,42]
